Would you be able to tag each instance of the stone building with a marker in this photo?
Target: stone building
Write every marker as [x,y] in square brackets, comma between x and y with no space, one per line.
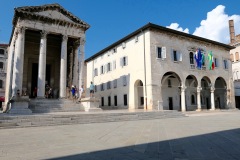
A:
[3,71]
[46,49]
[154,68]
[234,54]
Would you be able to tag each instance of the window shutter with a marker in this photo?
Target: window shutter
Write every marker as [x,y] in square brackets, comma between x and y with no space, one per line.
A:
[163,52]
[126,60]
[180,56]
[110,66]
[172,56]
[114,64]
[226,64]
[121,62]
[124,80]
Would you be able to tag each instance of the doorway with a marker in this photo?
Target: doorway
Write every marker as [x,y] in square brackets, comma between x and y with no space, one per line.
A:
[170,103]
[207,103]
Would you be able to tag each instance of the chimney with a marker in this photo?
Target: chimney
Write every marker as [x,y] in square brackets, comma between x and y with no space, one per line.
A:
[231,31]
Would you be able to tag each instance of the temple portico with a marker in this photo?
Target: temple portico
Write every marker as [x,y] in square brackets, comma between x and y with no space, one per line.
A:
[46,49]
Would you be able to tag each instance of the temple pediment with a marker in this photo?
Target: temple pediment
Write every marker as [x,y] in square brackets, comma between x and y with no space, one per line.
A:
[48,13]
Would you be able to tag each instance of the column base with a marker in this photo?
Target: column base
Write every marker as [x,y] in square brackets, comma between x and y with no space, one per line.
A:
[212,109]
[20,105]
[91,104]
[199,109]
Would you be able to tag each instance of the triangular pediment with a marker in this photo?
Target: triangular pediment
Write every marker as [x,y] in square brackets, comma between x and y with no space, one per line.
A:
[50,11]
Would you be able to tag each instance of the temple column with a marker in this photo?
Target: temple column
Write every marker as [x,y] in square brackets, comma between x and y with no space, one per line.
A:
[18,62]
[199,98]
[42,65]
[81,62]
[212,98]
[63,67]
[183,105]
[76,63]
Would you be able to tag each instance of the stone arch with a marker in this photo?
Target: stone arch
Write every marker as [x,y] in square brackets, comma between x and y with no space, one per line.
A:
[205,92]
[220,93]
[138,94]
[170,88]
[191,84]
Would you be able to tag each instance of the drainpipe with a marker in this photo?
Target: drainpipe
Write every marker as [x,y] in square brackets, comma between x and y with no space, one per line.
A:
[145,78]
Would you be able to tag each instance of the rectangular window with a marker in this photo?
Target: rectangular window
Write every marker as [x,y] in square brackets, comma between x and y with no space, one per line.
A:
[95,72]
[102,100]
[109,85]
[169,83]
[159,52]
[124,80]
[123,45]
[115,100]
[1,84]
[175,55]
[1,65]
[136,38]
[102,87]
[2,51]
[115,83]
[109,67]
[125,99]
[225,64]
[109,100]
[216,62]
[114,50]
[124,61]
[102,69]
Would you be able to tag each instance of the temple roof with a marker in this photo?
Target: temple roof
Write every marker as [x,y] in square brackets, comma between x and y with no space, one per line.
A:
[49,13]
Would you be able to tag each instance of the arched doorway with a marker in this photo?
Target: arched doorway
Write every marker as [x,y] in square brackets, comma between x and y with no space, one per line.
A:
[171,91]
[205,93]
[139,97]
[191,92]
[220,93]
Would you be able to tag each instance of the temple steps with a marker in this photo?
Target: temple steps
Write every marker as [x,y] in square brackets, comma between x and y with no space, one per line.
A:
[66,118]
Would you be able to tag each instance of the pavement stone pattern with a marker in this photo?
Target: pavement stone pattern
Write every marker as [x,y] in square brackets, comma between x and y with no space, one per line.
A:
[199,136]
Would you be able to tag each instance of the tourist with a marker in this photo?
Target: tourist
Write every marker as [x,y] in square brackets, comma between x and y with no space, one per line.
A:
[80,92]
[91,89]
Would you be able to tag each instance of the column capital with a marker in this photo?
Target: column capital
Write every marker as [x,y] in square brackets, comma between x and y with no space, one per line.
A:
[20,29]
[64,38]
[183,88]
[199,89]
[82,41]
[212,89]
[44,34]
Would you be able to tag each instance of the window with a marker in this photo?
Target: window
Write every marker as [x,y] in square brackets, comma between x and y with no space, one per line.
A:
[125,99]
[114,64]
[1,65]
[102,100]
[95,72]
[191,58]
[124,61]
[136,38]
[115,100]
[114,50]
[109,67]
[225,64]
[231,57]
[123,45]
[102,69]
[176,56]
[192,99]
[109,100]
[102,87]
[216,62]
[169,83]
[141,101]
[161,52]
[124,80]
[1,51]
[109,85]
[1,84]
[95,88]
[114,83]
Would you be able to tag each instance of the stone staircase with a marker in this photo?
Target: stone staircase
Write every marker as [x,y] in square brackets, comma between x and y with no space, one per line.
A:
[54,105]
[65,118]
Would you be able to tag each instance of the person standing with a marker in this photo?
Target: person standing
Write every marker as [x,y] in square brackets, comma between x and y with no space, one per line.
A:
[91,89]
[73,92]
[80,92]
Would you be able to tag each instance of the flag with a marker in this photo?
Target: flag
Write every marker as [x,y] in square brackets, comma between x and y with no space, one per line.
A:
[199,58]
[211,65]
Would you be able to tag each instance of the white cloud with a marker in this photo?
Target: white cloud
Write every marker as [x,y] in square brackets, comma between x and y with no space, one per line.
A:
[215,26]
[175,26]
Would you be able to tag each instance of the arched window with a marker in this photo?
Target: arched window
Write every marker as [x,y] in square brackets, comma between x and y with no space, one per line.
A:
[191,58]
[1,84]
[1,52]
[237,56]
[192,99]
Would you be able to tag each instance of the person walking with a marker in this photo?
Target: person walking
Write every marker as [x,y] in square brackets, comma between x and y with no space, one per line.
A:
[80,92]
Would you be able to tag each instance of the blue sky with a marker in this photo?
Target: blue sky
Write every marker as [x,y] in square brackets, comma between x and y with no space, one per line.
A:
[111,20]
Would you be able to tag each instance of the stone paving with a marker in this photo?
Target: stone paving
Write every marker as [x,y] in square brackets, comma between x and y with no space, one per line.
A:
[200,136]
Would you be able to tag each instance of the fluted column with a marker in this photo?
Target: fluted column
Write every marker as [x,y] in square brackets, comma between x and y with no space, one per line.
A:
[183,104]
[18,62]
[42,65]
[199,98]
[63,67]
[212,98]
[81,62]
[76,63]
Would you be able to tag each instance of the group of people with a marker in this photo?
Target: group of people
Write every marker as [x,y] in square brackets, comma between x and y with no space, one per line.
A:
[76,93]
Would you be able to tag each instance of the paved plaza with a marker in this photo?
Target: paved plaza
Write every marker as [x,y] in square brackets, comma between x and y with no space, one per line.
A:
[198,136]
